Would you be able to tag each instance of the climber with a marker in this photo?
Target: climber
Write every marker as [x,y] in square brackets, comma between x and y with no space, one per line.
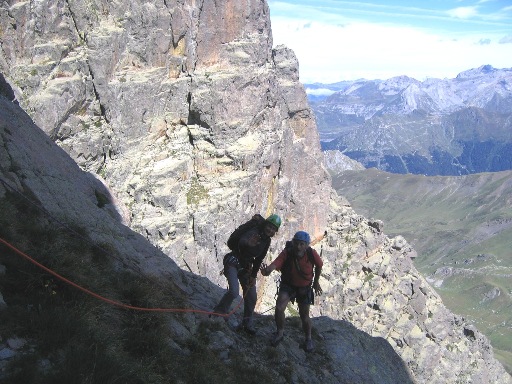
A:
[249,244]
[298,283]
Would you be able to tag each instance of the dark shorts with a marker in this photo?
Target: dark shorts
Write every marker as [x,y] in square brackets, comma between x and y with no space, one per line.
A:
[301,295]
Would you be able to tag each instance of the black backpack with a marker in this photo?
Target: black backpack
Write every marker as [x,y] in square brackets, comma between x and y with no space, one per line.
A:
[234,238]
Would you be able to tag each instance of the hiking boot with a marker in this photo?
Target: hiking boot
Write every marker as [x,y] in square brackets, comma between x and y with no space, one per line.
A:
[309,346]
[277,339]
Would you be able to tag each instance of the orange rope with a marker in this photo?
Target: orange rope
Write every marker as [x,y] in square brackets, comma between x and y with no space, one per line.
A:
[113,302]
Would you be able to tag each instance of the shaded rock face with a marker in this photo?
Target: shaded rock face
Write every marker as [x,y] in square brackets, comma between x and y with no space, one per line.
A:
[189,129]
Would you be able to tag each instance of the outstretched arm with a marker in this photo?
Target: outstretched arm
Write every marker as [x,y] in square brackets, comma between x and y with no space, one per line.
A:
[267,269]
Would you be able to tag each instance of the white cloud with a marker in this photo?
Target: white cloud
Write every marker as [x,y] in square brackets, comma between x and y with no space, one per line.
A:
[506,40]
[332,48]
[463,12]
[329,53]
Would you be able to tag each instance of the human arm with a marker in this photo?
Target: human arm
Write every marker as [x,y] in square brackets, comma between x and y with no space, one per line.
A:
[276,264]
[267,269]
[318,271]
[316,281]
[249,239]
[251,251]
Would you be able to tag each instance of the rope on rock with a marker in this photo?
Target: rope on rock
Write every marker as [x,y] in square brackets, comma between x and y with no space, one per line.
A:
[85,290]
[109,301]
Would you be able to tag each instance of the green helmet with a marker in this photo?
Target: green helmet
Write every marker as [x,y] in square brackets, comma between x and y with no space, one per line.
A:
[274,220]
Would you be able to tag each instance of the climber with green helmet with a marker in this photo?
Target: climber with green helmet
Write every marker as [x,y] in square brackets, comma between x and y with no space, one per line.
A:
[249,244]
[300,267]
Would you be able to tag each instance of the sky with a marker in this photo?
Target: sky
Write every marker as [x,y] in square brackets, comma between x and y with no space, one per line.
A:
[338,40]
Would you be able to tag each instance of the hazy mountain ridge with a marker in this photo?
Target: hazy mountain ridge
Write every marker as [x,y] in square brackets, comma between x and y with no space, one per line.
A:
[462,229]
[434,127]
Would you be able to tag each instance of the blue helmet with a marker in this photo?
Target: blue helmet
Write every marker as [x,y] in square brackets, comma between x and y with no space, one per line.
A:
[302,236]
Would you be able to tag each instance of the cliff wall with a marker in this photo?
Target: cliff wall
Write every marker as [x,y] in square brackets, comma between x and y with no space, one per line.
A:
[183,108]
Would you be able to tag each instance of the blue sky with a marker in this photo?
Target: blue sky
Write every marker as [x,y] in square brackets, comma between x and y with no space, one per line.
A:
[338,40]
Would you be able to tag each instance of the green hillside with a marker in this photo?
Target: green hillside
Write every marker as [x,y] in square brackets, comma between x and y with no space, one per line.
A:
[461,228]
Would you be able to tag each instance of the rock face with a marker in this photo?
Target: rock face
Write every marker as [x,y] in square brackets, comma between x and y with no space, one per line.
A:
[184,122]
[336,162]
[434,127]
[373,284]
[459,247]
[183,108]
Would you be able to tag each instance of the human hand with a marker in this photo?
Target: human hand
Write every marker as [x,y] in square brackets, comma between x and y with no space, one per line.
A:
[263,270]
[317,288]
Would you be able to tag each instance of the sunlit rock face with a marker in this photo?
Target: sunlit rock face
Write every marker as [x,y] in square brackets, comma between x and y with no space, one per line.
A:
[183,108]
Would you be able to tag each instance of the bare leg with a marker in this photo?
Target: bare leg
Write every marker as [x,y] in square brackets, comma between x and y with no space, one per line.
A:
[306,321]
[282,301]
[306,326]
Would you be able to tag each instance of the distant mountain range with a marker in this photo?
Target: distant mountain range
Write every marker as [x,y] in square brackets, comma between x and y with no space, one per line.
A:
[434,127]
